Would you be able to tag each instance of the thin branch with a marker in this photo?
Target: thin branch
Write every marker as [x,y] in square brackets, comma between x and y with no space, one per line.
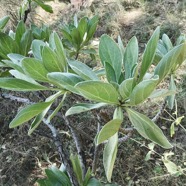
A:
[15,98]
[96,151]
[158,115]
[125,138]
[61,152]
[78,144]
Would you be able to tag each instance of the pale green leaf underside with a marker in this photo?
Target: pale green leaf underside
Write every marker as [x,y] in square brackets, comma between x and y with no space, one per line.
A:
[83,107]
[108,130]
[83,70]
[28,113]
[109,155]
[19,85]
[148,129]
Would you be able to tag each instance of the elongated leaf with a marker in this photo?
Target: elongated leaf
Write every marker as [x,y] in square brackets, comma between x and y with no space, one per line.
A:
[26,42]
[4,21]
[83,70]
[65,80]
[148,129]
[94,182]
[143,90]
[20,30]
[149,53]
[109,155]
[16,58]
[28,113]
[109,52]
[19,75]
[35,69]
[76,38]
[171,98]
[167,42]
[83,107]
[110,73]
[161,93]
[83,27]
[7,45]
[92,24]
[77,168]
[37,46]
[125,88]
[108,130]
[98,91]
[9,63]
[121,46]
[130,56]
[19,85]
[167,62]
[45,7]
[57,45]
[39,118]
[50,60]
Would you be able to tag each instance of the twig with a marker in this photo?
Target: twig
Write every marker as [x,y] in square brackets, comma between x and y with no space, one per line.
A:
[125,138]
[61,152]
[157,116]
[78,144]
[15,98]
[96,152]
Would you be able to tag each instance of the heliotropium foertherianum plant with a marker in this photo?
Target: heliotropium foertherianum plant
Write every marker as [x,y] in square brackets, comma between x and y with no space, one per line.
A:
[77,36]
[126,85]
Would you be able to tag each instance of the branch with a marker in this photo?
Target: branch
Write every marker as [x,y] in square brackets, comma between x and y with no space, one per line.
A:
[61,152]
[157,116]
[78,144]
[96,151]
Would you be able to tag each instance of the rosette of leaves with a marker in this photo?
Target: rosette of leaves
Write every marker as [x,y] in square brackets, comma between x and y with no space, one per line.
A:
[125,86]
[164,46]
[77,36]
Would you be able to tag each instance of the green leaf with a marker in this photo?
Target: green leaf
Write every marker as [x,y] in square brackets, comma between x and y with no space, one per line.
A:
[94,182]
[109,155]
[36,47]
[83,27]
[19,85]
[92,25]
[50,60]
[108,130]
[110,73]
[35,69]
[4,21]
[26,42]
[130,56]
[57,178]
[161,93]
[83,107]
[98,91]
[7,45]
[57,46]
[13,65]
[167,42]
[109,52]
[170,99]
[19,75]
[65,80]
[83,70]
[77,168]
[149,53]
[121,46]
[143,90]
[20,30]
[28,113]
[147,128]
[76,38]
[125,88]
[45,7]
[167,62]
[39,118]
